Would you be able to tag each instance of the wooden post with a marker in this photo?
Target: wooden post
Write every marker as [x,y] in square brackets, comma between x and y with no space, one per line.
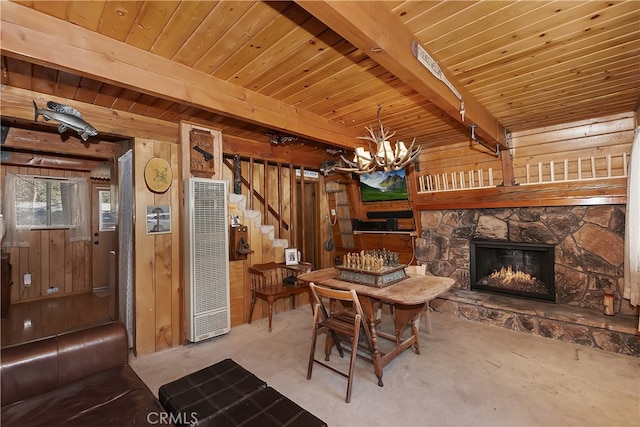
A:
[579,168]
[265,192]
[528,169]
[453,180]
[237,175]
[491,177]
[566,169]
[303,214]
[539,172]
[293,202]
[552,170]
[593,167]
[507,165]
[280,197]
[608,165]
[251,188]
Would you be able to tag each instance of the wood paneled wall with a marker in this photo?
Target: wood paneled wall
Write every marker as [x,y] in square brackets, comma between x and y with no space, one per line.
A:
[459,156]
[158,273]
[51,259]
[595,138]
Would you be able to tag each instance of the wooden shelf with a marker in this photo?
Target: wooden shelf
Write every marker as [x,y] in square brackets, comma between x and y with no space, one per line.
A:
[594,192]
[406,233]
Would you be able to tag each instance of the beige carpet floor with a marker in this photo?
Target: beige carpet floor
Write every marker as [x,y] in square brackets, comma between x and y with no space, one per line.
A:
[468,374]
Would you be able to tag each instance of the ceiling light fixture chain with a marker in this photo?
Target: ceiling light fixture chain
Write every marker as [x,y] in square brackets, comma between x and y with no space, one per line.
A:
[382,156]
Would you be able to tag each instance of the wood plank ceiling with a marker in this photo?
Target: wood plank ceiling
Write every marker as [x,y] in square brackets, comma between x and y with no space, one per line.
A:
[522,64]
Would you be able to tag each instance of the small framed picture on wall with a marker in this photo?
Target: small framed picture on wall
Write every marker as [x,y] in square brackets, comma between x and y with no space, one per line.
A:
[158,219]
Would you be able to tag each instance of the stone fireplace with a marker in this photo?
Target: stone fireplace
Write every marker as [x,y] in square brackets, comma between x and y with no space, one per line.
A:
[587,258]
[519,269]
[588,244]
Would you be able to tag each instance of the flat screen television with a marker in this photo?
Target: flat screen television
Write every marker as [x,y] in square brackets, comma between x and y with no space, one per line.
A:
[383,186]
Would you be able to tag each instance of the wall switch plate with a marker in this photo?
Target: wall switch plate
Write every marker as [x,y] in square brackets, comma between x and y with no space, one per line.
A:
[27,280]
[333,212]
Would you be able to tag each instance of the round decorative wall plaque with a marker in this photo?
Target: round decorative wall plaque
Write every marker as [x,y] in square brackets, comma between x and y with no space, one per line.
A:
[157,175]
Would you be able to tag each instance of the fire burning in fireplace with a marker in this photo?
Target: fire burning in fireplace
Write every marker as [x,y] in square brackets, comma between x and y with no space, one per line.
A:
[514,280]
[522,269]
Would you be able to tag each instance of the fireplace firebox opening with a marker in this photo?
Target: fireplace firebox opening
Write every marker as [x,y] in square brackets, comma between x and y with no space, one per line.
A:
[520,269]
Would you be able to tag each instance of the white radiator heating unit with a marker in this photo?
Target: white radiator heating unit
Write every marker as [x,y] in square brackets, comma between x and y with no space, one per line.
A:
[206,259]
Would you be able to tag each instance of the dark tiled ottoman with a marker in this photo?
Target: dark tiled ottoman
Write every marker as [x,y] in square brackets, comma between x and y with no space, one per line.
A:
[226,394]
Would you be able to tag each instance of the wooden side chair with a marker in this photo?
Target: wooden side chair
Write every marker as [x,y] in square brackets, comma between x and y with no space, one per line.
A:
[344,323]
[272,281]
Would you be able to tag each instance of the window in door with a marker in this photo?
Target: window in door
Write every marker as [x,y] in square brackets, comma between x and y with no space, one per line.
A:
[107,215]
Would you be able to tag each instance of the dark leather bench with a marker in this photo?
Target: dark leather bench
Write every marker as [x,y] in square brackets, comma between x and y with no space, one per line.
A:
[226,394]
[78,378]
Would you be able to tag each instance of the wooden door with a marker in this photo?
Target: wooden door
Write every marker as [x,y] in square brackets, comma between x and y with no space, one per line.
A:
[103,226]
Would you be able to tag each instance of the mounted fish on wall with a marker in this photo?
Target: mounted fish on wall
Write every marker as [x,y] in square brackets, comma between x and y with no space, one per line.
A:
[67,117]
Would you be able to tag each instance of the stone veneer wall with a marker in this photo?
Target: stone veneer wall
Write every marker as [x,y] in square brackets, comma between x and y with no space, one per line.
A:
[589,246]
[588,259]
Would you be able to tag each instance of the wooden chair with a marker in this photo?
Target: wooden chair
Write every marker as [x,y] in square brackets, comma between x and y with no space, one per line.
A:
[269,283]
[346,323]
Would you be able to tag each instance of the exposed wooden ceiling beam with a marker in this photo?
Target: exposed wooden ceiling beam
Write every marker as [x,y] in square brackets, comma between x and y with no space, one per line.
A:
[287,153]
[50,42]
[17,104]
[45,142]
[49,161]
[372,28]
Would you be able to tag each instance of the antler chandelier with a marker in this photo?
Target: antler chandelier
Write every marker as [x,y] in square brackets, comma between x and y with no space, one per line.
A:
[382,156]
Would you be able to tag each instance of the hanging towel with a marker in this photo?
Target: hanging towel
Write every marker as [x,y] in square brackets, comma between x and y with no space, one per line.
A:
[632,228]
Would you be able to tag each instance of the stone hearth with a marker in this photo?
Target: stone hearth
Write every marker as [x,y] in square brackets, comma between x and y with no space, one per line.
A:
[588,261]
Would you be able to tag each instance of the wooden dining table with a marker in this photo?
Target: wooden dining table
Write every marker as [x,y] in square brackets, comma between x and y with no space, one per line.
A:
[408,298]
